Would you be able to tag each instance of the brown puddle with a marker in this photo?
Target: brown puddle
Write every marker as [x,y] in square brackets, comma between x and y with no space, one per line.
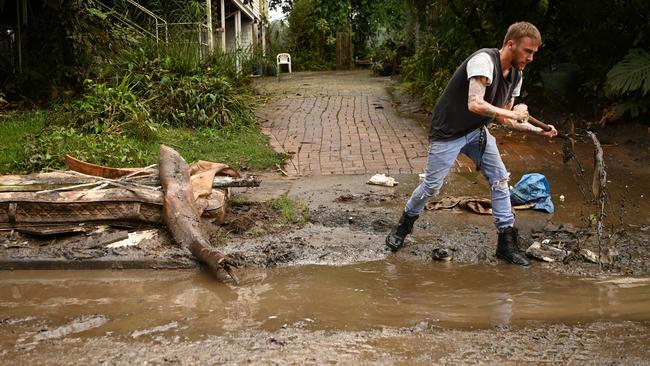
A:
[38,305]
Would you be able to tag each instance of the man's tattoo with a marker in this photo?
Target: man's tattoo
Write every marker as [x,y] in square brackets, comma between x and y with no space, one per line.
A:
[476,94]
[490,111]
[476,88]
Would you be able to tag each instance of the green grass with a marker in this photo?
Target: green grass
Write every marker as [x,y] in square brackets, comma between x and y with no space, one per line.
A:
[242,147]
[13,128]
[24,150]
[292,212]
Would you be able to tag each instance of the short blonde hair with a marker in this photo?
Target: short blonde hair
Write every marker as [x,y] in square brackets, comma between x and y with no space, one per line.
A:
[522,29]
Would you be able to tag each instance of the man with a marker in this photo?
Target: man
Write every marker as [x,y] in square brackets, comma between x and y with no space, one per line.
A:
[482,89]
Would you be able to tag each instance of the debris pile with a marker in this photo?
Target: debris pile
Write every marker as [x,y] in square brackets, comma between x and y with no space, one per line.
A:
[562,243]
[86,198]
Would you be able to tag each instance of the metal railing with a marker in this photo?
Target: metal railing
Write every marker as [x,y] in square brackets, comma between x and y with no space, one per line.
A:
[188,32]
[156,21]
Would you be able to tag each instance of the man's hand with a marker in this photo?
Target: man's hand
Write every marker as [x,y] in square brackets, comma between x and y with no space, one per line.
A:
[551,133]
[521,112]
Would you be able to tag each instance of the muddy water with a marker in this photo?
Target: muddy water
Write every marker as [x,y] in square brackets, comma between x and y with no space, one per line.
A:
[43,305]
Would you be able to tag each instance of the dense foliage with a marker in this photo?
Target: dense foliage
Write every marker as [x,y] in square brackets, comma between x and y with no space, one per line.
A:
[423,40]
[582,41]
[426,40]
[141,93]
[314,24]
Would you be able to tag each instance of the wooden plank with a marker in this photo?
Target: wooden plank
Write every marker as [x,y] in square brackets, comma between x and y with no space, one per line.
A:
[55,180]
[52,230]
[103,171]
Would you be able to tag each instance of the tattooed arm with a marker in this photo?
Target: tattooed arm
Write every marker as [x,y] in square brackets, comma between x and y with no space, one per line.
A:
[477,104]
[524,125]
[514,124]
[515,118]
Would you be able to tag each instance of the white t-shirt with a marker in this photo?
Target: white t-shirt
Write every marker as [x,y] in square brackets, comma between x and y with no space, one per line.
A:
[481,65]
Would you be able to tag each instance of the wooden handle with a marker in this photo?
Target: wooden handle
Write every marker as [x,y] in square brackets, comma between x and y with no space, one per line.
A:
[537,123]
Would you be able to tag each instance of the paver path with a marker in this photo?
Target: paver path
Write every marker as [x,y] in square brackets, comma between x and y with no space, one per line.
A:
[345,123]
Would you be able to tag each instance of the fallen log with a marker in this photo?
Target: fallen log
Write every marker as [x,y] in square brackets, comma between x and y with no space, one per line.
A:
[181,215]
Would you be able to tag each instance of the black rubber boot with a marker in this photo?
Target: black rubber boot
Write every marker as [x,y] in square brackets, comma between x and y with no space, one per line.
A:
[508,249]
[395,239]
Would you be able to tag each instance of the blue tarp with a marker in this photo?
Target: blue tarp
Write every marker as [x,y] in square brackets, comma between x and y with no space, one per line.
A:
[533,188]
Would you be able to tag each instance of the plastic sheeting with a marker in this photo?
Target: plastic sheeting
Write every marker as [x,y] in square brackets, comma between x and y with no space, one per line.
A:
[533,188]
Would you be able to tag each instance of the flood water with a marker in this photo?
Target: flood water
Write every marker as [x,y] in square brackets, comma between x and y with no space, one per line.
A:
[38,305]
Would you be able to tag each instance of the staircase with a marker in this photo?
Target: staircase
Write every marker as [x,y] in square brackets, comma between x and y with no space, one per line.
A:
[143,21]
[135,16]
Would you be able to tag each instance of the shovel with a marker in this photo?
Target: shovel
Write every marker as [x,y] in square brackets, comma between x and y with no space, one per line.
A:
[568,147]
[537,123]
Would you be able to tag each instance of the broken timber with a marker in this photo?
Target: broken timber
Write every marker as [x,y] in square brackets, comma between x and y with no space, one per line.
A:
[114,205]
[48,204]
[599,187]
[56,180]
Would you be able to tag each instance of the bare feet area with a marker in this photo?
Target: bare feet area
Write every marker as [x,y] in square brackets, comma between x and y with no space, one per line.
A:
[327,290]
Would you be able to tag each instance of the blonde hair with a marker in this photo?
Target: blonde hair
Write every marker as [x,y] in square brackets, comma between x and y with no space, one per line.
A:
[522,29]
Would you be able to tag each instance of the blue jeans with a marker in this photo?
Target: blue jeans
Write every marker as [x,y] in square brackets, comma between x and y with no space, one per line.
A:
[442,155]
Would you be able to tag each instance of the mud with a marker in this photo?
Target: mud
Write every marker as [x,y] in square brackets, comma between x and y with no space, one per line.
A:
[381,312]
[593,344]
[349,218]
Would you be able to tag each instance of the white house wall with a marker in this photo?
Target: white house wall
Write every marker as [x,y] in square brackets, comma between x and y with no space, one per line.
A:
[247,37]
[231,43]
[256,8]
[246,34]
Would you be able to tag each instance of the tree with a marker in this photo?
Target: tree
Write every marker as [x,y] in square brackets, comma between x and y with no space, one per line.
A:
[313,25]
[285,5]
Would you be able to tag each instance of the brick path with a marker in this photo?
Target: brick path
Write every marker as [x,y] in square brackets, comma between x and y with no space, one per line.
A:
[345,123]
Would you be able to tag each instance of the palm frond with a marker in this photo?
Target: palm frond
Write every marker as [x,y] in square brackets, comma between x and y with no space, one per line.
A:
[630,74]
[635,107]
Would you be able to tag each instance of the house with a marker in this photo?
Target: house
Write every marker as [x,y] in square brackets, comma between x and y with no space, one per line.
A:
[241,23]
[229,25]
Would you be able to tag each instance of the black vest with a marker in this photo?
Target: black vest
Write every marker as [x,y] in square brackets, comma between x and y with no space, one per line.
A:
[451,117]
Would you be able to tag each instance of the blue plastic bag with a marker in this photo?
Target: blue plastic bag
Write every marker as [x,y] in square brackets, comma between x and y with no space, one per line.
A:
[533,188]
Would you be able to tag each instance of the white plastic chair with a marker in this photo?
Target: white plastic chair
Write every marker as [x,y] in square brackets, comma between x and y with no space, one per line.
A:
[284,59]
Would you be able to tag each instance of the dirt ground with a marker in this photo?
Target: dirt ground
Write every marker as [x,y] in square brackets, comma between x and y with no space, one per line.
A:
[348,221]
[624,343]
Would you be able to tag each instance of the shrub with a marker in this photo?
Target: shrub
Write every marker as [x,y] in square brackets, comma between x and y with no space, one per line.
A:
[629,80]
[207,100]
[107,110]
[425,74]
[45,150]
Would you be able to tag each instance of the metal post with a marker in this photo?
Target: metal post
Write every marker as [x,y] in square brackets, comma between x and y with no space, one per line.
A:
[208,5]
[238,28]
[263,26]
[223,26]
[19,42]
[237,38]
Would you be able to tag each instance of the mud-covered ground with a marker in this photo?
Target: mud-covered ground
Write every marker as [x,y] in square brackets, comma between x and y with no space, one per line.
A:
[624,343]
[348,221]
[345,226]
